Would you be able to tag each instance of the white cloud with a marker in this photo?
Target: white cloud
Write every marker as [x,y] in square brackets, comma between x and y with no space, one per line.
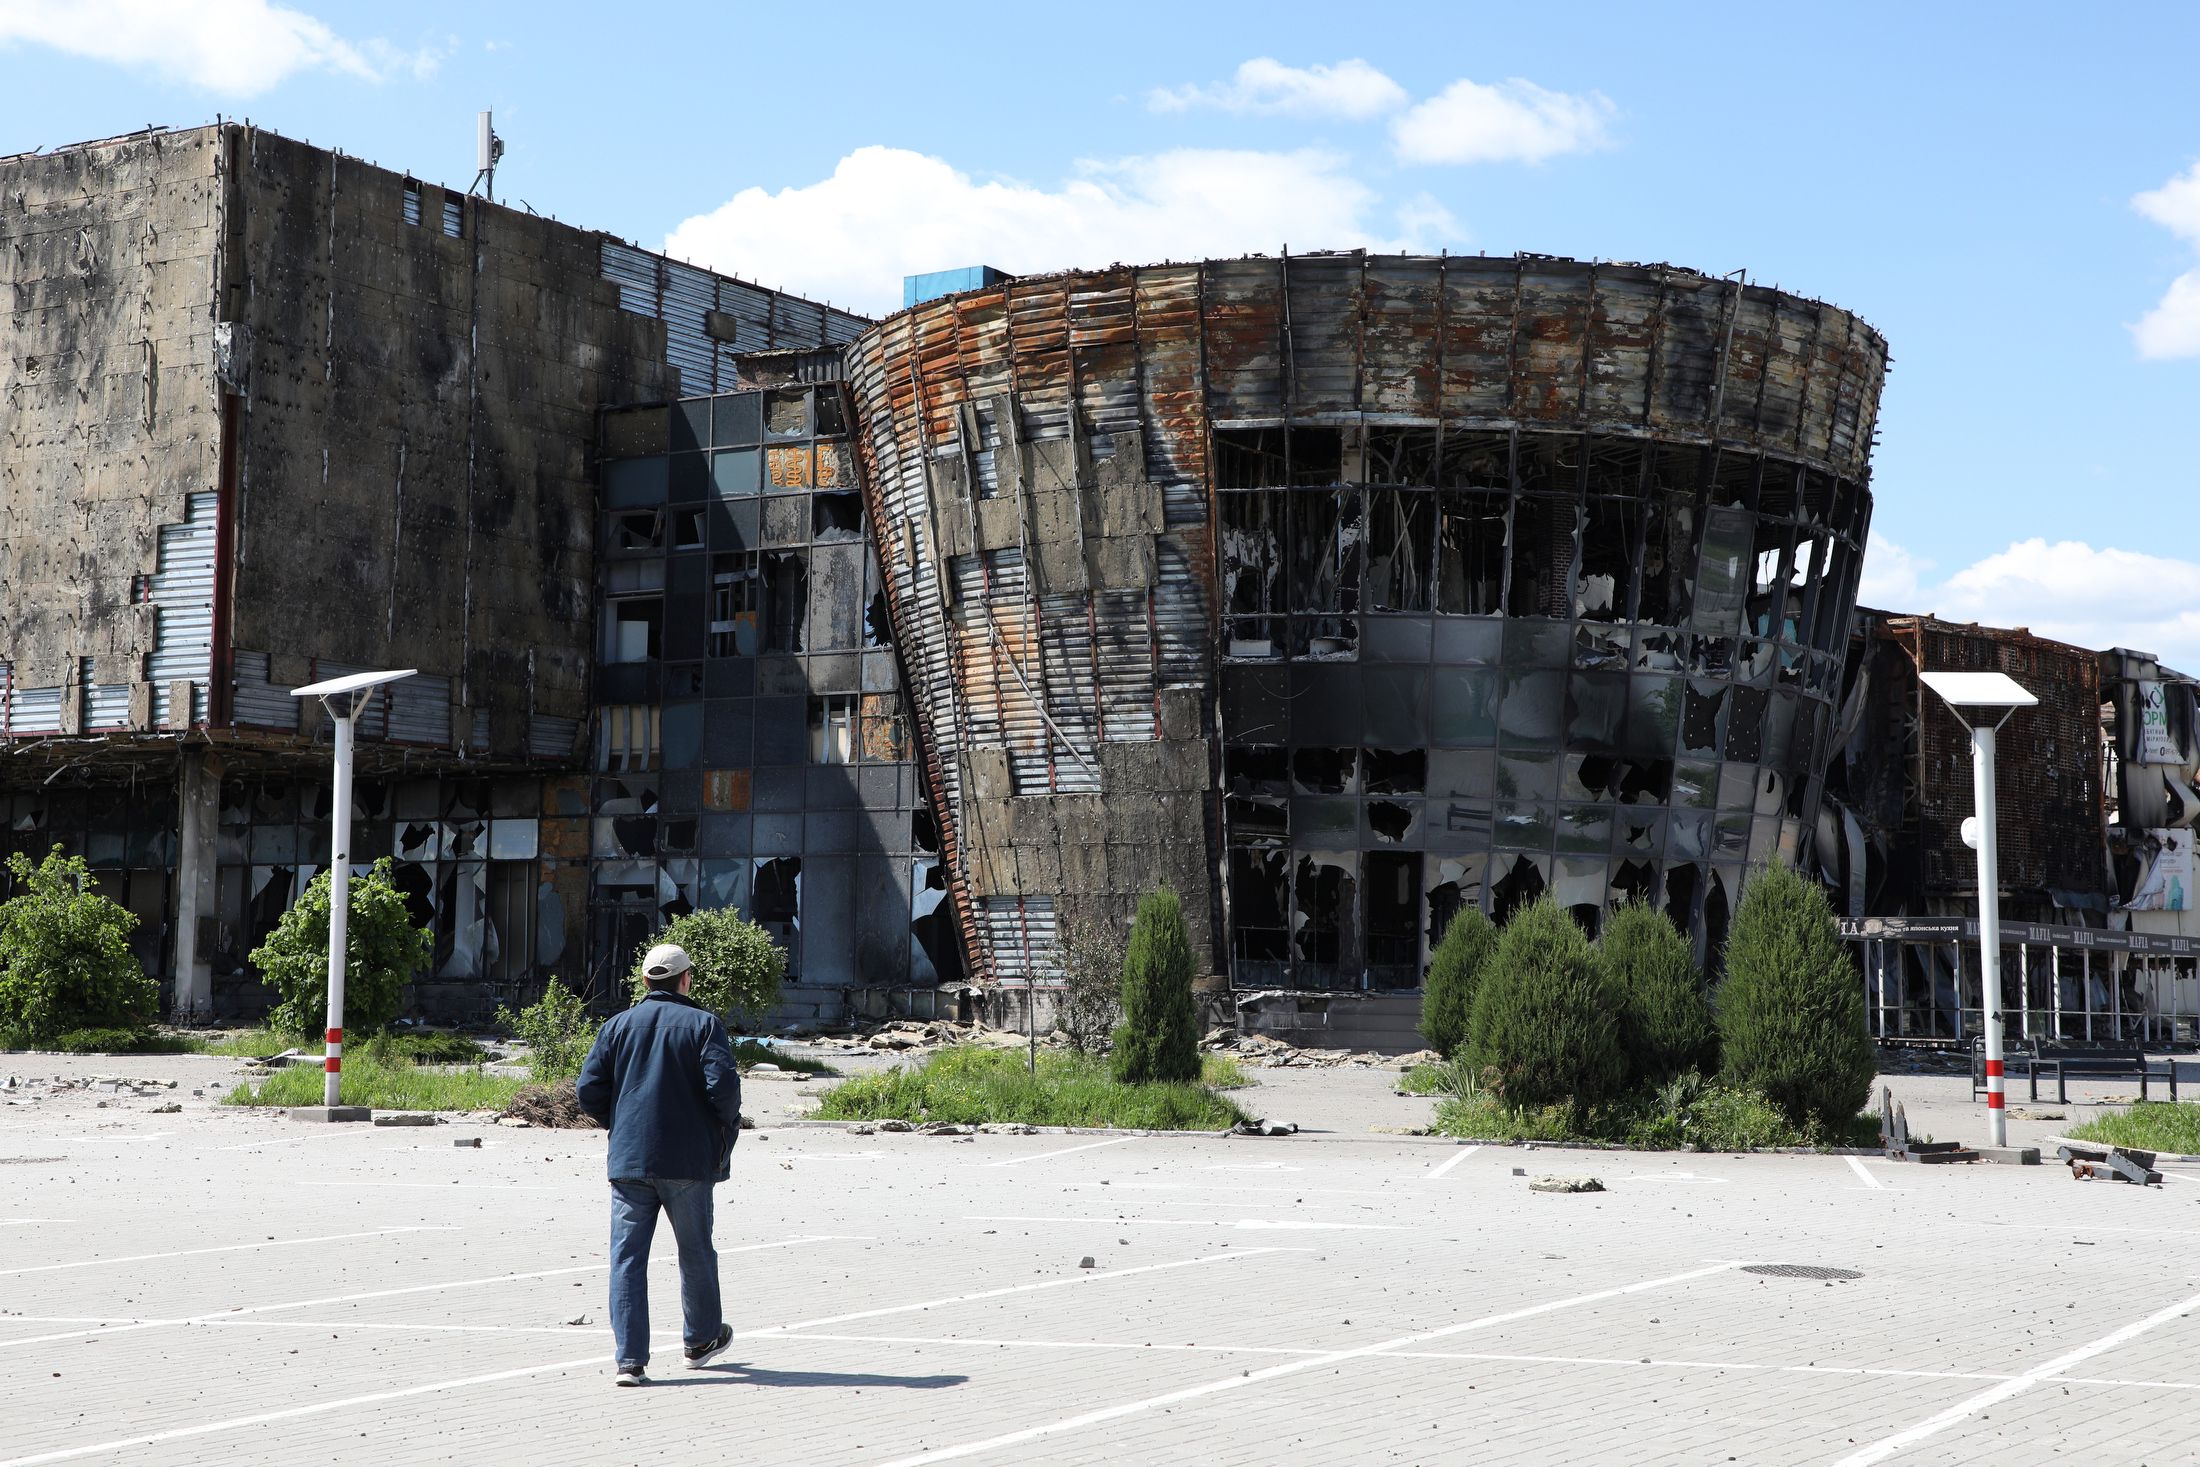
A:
[2067,590]
[237,48]
[1512,121]
[1351,89]
[886,212]
[2172,328]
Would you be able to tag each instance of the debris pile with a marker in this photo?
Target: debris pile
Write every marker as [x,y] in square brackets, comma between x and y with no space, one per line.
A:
[555,1107]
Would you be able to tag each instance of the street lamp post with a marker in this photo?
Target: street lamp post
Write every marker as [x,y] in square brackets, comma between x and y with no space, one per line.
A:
[1984,701]
[345,698]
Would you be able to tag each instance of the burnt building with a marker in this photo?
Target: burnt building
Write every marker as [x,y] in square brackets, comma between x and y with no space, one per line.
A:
[1340,590]
[274,414]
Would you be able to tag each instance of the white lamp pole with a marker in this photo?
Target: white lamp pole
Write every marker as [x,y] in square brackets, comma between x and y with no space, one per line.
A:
[1984,701]
[345,698]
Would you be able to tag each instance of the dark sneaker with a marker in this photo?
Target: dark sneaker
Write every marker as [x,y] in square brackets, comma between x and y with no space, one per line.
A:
[630,1375]
[702,1355]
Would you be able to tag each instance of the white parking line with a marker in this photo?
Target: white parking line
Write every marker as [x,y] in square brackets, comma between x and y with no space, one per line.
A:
[1940,1421]
[228,1248]
[224,1315]
[1442,1167]
[1248,1224]
[1856,1164]
[27,1222]
[1289,1367]
[1065,1151]
[451,1186]
[1060,1283]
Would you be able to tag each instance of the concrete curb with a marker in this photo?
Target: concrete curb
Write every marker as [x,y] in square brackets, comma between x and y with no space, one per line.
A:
[2173,1156]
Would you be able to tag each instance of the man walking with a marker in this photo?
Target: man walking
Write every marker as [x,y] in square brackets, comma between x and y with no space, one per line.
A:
[661,1080]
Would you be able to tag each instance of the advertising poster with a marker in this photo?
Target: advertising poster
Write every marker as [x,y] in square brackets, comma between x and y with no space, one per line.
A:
[2166,884]
[2155,745]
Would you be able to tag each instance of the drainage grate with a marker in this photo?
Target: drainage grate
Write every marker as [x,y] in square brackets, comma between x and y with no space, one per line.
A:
[1800,1271]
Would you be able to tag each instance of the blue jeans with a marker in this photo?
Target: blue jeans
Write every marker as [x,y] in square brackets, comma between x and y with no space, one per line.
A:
[634,1207]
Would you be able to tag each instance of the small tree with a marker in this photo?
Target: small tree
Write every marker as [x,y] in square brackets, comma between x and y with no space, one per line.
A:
[1791,1011]
[558,1032]
[1091,1002]
[1666,1026]
[1447,999]
[738,967]
[1159,1036]
[65,960]
[1545,1027]
[384,949]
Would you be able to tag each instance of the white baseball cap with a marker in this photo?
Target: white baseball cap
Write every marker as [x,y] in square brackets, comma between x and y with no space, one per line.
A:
[665,960]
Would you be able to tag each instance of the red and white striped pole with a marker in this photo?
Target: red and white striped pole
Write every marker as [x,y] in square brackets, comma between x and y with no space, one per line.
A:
[1989,931]
[339,898]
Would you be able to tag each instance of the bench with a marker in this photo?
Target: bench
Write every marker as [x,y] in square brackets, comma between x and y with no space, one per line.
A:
[2063,1062]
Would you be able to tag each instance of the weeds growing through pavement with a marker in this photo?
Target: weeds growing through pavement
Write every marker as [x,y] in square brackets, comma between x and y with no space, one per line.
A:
[972,1086]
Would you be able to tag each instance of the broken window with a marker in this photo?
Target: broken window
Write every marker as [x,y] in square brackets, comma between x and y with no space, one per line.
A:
[1401,456]
[1722,582]
[1394,771]
[1393,889]
[633,628]
[637,530]
[1470,573]
[1393,822]
[882,736]
[1522,880]
[1259,932]
[1324,551]
[1400,549]
[1608,556]
[1252,579]
[1325,926]
[878,625]
[832,417]
[454,217]
[1249,458]
[411,208]
[1317,771]
[687,529]
[1257,821]
[1544,539]
[776,898]
[836,515]
[787,413]
[733,604]
[787,598]
[626,740]
[833,729]
[1255,770]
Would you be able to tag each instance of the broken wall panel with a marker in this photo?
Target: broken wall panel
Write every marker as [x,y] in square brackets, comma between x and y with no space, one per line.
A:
[1411,460]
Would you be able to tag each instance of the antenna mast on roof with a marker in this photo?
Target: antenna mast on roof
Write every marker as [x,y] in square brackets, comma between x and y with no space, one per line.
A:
[490,147]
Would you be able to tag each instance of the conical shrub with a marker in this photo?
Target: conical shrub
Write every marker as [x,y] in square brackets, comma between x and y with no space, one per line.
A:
[1447,998]
[1791,1010]
[1159,1036]
[1545,1027]
[1666,1025]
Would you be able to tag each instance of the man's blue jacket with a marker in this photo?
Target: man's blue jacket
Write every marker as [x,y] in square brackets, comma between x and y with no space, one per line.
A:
[661,1079]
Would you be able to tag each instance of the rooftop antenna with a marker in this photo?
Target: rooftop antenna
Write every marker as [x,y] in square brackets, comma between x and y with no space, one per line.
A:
[489,148]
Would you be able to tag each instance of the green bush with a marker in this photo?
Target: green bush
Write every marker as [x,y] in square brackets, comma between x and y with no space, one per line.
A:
[65,960]
[383,950]
[557,1030]
[737,965]
[1545,1029]
[1666,1025]
[1447,999]
[1159,1037]
[1791,1011]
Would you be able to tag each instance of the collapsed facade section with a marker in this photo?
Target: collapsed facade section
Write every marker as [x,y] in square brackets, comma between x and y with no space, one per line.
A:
[1339,591]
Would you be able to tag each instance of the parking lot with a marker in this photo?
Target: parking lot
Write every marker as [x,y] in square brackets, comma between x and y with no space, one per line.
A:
[225,1287]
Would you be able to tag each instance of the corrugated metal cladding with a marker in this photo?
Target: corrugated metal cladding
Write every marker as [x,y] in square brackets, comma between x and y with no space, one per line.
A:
[257,702]
[1107,388]
[710,320]
[182,594]
[1020,932]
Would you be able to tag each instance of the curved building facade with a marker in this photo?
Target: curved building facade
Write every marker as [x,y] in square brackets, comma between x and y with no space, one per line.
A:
[1340,590]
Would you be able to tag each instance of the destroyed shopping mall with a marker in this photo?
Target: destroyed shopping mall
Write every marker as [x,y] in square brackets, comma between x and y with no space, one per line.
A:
[1338,591]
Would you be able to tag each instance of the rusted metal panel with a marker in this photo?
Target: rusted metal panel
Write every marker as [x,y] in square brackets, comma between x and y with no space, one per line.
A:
[1401,312]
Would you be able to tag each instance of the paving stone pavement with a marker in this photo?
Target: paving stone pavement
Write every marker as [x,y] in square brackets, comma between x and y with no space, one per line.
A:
[224,1287]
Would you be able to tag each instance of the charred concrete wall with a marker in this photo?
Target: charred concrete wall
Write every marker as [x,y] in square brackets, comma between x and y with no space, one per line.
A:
[109,253]
[413,482]
[1146,529]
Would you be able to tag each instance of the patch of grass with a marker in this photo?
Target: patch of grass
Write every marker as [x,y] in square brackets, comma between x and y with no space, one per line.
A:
[972,1086]
[1686,1115]
[251,1044]
[1436,1079]
[2152,1125]
[1220,1072]
[747,1052]
[422,1047]
[386,1084]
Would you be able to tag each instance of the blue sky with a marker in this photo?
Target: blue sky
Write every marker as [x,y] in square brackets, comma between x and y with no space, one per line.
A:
[2006,191]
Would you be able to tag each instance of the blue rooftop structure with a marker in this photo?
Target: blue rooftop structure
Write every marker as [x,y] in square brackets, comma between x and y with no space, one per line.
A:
[917,289]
